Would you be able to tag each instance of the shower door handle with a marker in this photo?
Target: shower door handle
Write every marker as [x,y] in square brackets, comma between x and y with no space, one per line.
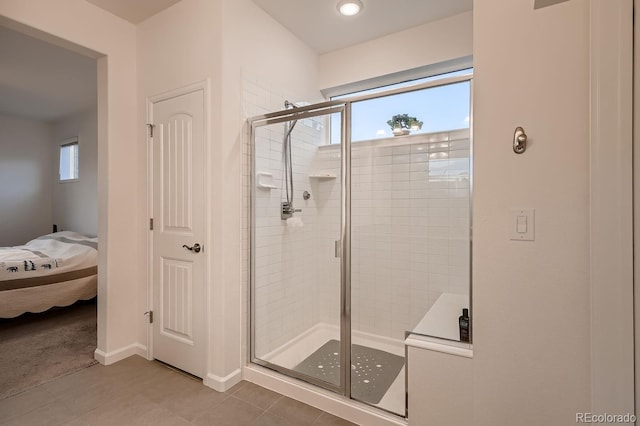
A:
[337,248]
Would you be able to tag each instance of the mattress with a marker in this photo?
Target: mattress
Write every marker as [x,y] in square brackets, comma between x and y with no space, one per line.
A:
[53,270]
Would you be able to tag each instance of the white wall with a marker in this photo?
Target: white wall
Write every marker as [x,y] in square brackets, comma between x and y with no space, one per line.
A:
[87,29]
[531,300]
[75,204]
[432,43]
[33,198]
[26,168]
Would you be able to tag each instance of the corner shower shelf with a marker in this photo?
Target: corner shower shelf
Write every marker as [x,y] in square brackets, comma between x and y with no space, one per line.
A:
[265,180]
[322,176]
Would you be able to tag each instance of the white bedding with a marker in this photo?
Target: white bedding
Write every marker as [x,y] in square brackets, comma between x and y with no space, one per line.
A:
[52,253]
[53,270]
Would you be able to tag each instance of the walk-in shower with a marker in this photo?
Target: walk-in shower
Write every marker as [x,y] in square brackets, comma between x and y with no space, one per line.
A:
[355,240]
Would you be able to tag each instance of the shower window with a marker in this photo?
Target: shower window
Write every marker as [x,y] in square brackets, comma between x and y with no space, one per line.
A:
[440,108]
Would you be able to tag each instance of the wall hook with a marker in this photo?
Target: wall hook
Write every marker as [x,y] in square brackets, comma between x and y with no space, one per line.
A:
[519,141]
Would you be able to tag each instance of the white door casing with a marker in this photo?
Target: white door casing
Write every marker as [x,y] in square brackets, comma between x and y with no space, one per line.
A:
[178,212]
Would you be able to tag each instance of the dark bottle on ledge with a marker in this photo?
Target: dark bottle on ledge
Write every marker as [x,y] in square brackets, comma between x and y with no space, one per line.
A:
[463,322]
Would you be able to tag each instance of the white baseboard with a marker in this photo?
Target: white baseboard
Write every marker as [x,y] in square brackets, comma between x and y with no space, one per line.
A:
[108,358]
[223,384]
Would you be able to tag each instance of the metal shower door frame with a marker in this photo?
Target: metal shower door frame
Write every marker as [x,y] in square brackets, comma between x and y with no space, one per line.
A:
[315,110]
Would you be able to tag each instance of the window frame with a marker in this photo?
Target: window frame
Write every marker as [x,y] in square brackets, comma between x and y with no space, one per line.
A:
[69,142]
[411,85]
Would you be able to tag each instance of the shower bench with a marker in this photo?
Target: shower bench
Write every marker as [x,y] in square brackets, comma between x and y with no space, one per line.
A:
[439,369]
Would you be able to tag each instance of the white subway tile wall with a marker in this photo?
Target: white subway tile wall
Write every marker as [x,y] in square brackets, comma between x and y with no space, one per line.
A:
[410,227]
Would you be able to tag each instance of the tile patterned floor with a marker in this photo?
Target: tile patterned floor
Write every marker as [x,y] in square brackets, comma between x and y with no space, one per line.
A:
[139,392]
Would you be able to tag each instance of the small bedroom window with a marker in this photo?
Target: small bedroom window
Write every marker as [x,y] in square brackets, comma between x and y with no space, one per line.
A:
[69,160]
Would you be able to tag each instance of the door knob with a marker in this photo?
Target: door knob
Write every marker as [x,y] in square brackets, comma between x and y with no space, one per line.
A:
[196,247]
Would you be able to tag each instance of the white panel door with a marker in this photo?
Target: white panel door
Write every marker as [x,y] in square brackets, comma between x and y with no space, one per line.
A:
[178,234]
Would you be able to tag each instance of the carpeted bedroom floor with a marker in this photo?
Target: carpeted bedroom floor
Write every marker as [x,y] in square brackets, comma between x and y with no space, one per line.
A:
[36,348]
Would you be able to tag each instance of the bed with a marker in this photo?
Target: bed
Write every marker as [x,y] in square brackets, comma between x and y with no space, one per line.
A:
[52,270]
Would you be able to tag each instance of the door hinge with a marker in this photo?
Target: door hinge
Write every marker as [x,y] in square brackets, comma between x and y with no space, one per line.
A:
[151,126]
[151,224]
[150,314]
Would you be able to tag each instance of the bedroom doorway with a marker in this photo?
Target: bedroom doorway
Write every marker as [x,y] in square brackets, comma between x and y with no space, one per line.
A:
[178,229]
[49,191]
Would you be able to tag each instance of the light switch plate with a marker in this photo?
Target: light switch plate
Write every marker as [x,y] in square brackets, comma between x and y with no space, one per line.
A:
[522,224]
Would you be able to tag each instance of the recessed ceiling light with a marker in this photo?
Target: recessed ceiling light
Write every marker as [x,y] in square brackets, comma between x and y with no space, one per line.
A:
[349,7]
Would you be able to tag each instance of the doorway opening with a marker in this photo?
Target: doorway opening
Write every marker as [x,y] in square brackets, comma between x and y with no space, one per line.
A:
[48,235]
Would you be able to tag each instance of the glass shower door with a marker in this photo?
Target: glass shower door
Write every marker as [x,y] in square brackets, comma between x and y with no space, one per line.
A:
[296,288]
[410,229]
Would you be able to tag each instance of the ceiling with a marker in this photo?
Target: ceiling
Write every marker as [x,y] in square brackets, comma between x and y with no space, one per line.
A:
[134,11]
[41,81]
[317,22]
[320,26]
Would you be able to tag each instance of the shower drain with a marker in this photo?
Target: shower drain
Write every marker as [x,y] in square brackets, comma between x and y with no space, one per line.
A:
[372,370]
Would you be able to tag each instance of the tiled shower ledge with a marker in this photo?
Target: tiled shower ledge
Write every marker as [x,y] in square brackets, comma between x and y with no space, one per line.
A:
[436,137]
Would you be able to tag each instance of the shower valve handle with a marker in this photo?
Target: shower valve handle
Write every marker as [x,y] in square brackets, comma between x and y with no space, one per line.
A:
[287,210]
